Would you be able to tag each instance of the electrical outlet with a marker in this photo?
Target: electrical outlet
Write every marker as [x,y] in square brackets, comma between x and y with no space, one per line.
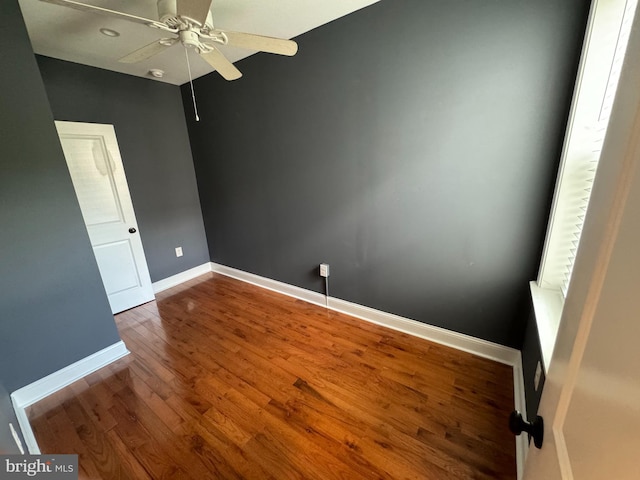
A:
[536,378]
[324,270]
[178,251]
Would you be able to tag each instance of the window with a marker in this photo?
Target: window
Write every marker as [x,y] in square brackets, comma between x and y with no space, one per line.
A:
[602,57]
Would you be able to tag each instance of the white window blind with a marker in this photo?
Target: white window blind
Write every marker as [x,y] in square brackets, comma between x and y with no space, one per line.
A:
[595,92]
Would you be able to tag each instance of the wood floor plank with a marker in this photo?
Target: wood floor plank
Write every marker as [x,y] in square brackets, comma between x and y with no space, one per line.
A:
[129,464]
[230,381]
[63,427]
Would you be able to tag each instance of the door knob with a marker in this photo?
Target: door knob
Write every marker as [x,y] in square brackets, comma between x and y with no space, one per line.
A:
[132,230]
[535,429]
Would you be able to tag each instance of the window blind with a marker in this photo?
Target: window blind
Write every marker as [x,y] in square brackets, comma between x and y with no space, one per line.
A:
[589,119]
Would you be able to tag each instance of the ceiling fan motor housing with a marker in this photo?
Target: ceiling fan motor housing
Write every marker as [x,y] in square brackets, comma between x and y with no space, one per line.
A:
[167,10]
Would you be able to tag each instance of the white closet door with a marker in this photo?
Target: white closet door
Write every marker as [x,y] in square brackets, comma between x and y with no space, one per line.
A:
[94,161]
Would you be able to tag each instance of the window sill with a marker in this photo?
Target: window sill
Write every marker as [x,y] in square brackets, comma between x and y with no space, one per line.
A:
[547,307]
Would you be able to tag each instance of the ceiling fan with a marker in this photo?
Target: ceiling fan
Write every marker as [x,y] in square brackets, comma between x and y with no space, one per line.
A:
[191,23]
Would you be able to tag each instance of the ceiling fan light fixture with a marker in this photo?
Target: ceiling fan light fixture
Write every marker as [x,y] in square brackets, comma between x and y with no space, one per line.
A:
[189,39]
[167,42]
[109,32]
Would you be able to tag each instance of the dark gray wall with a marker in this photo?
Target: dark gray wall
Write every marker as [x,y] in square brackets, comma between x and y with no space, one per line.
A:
[411,145]
[152,134]
[531,355]
[53,308]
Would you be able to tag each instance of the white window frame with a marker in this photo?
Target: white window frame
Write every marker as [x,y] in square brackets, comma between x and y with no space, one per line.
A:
[600,64]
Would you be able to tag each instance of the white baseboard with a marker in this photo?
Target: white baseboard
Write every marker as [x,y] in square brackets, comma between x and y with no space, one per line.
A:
[443,336]
[32,393]
[520,404]
[25,428]
[274,285]
[476,346]
[459,341]
[181,277]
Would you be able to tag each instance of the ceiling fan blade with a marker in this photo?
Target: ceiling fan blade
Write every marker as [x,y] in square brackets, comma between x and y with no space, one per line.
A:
[148,50]
[262,44]
[83,7]
[223,66]
[194,9]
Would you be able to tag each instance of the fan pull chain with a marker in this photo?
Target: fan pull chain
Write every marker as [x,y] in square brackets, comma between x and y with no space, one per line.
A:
[193,95]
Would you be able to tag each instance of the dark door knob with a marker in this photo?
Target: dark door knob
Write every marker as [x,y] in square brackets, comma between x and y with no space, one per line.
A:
[535,429]
[132,230]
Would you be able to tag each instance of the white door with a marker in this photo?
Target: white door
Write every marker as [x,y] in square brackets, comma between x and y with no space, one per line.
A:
[94,161]
[591,398]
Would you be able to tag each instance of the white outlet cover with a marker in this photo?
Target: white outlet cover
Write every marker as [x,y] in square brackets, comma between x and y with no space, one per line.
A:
[178,251]
[536,378]
[16,438]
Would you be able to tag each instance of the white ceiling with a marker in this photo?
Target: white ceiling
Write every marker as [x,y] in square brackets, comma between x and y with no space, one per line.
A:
[68,34]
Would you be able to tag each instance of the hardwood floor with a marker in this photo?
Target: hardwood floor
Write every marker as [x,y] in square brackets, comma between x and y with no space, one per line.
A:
[227,380]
